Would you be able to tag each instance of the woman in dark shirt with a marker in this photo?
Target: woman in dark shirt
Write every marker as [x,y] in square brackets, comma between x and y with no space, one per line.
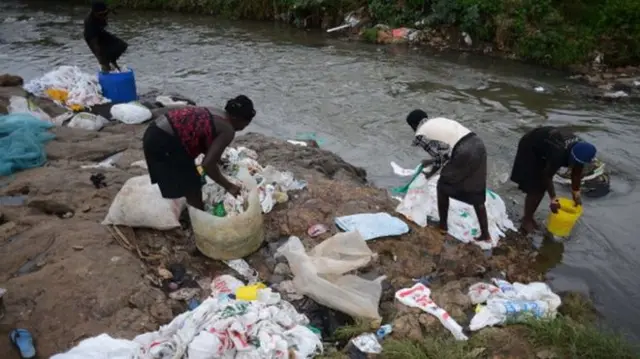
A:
[106,47]
[541,153]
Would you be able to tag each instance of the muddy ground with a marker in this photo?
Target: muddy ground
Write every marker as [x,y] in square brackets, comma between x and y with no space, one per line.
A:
[69,277]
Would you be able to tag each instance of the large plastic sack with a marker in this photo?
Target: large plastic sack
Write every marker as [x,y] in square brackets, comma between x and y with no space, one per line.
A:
[140,204]
[22,139]
[103,347]
[421,202]
[234,236]
[131,113]
[320,274]
[19,104]
[88,121]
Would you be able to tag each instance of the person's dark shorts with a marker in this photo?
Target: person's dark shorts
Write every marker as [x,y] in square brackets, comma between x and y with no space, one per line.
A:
[464,177]
[169,164]
[527,167]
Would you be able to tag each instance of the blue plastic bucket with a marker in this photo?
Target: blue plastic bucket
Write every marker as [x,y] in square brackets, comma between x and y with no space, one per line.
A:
[119,87]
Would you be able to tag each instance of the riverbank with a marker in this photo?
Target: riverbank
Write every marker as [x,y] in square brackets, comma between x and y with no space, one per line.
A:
[605,55]
[68,278]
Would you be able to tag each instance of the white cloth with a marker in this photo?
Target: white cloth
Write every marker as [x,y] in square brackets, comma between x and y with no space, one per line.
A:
[443,130]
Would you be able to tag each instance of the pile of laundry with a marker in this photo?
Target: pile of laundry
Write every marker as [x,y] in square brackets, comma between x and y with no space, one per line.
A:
[220,327]
[273,185]
[421,202]
[503,302]
[69,87]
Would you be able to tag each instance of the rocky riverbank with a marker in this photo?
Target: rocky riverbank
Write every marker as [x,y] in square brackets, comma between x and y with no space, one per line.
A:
[68,277]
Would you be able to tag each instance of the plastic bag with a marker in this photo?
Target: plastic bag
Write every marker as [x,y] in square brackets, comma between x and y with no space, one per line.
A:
[140,204]
[131,113]
[230,237]
[101,347]
[18,104]
[319,274]
[88,121]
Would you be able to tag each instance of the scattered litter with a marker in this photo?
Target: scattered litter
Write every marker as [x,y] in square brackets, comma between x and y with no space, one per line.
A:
[539,89]
[22,140]
[349,21]
[139,203]
[320,274]
[419,296]
[373,225]
[506,302]
[383,331]
[298,143]
[23,341]
[616,94]
[421,202]
[87,121]
[98,180]
[287,288]
[19,104]
[131,113]
[244,269]
[219,327]
[249,292]
[367,343]
[316,230]
[82,89]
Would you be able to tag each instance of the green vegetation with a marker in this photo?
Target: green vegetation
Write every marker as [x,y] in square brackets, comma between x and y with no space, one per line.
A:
[558,33]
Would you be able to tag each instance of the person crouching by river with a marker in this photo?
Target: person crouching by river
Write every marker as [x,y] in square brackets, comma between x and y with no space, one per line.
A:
[106,47]
[464,175]
[541,153]
[178,135]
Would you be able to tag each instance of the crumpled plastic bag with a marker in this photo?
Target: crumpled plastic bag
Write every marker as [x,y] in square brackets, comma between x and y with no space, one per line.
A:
[320,274]
[103,347]
[131,113]
[19,104]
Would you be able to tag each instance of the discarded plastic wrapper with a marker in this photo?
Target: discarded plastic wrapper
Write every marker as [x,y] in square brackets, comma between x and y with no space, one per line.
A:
[244,269]
[508,302]
[373,225]
[367,343]
[320,274]
[419,296]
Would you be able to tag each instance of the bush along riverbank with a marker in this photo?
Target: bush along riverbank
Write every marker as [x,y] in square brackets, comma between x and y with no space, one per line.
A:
[599,41]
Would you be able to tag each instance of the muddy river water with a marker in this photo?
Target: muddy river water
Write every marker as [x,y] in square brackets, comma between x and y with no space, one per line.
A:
[355,97]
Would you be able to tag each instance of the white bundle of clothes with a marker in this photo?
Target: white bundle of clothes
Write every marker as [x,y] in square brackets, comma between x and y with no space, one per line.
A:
[82,88]
[219,328]
[421,202]
[273,185]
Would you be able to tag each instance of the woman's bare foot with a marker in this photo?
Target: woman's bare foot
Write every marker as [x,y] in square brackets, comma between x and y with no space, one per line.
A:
[529,226]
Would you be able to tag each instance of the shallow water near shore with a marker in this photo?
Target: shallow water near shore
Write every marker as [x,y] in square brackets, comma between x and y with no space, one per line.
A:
[355,97]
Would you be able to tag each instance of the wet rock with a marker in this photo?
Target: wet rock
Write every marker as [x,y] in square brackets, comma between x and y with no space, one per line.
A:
[10,80]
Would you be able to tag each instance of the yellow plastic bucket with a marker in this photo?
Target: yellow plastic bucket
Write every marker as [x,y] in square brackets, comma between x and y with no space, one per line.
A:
[560,224]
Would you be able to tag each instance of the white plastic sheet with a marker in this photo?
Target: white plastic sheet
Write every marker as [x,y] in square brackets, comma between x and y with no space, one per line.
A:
[508,302]
[320,274]
[131,113]
[421,202]
[373,225]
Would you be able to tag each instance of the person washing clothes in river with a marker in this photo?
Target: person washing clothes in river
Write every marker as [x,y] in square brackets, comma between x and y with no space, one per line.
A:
[106,47]
[463,158]
[541,153]
[178,135]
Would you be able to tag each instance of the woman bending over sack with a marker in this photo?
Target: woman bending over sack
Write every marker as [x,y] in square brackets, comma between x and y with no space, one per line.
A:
[178,135]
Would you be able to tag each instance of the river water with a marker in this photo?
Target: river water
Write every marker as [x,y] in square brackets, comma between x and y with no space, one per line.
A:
[355,98]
